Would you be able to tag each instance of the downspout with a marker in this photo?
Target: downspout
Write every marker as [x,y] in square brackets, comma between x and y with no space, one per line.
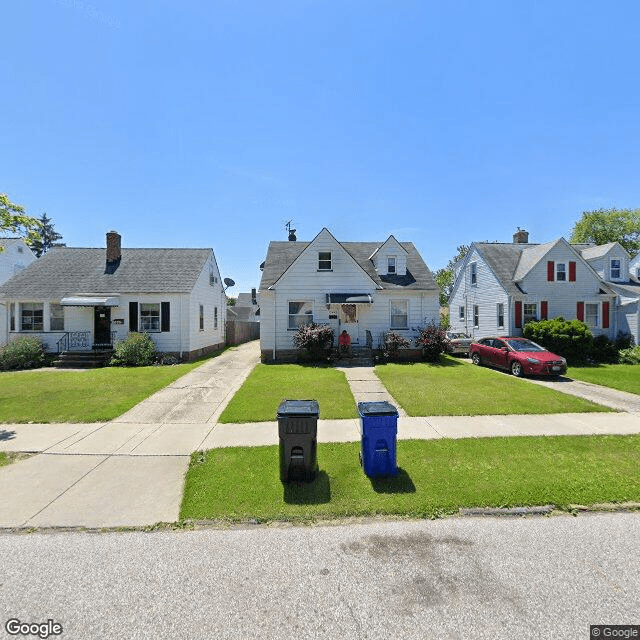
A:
[275,325]
[181,327]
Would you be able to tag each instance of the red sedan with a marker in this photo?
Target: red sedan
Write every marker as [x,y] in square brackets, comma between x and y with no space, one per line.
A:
[518,355]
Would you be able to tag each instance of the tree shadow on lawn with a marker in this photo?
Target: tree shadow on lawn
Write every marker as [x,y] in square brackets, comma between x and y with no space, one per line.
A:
[316,492]
[401,483]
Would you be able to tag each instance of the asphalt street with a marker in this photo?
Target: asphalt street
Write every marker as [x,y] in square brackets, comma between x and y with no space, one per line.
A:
[458,578]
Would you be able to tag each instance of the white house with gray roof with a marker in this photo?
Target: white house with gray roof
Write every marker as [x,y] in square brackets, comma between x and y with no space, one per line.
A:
[15,255]
[367,288]
[501,286]
[88,299]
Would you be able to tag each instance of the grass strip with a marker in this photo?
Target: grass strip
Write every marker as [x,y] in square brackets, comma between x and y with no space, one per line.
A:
[624,377]
[268,385]
[435,477]
[81,396]
[454,388]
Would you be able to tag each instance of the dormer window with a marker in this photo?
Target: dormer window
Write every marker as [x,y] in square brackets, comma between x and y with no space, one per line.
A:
[615,268]
[20,250]
[391,264]
[324,260]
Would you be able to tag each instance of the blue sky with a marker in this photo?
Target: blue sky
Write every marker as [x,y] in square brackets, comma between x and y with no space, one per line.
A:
[211,124]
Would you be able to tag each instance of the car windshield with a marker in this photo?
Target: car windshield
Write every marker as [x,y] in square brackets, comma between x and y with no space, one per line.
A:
[454,336]
[524,345]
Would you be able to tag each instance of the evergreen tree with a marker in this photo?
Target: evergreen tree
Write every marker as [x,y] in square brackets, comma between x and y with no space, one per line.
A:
[49,237]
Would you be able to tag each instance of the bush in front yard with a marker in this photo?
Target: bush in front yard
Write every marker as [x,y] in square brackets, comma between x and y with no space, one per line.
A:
[433,341]
[392,342]
[569,338]
[629,356]
[23,353]
[137,350]
[315,340]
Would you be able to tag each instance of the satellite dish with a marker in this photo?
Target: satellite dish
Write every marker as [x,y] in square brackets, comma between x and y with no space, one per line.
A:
[229,282]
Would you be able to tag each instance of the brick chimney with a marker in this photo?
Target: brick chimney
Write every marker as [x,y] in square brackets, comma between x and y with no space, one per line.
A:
[521,236]
[114,248]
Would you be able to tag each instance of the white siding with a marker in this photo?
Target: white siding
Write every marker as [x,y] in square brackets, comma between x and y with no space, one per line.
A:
[602,265]
[15,257]
[304,282]
[562,297]
[486,294]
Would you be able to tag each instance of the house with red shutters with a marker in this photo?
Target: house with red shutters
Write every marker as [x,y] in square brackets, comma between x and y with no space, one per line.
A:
[499,287]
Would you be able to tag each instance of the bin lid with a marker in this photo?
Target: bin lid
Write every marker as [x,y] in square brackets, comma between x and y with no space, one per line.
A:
[298,408]
[382,408]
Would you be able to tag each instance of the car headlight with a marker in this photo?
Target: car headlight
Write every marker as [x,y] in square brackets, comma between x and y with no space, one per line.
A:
[533,361]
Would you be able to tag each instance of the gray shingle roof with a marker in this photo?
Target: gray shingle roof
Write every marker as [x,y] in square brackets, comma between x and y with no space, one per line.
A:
[530,257]
[280,256]
[503,260]
[66,271]
[597,251]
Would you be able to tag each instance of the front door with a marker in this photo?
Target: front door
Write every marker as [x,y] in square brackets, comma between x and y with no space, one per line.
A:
[349,321]
[102,328]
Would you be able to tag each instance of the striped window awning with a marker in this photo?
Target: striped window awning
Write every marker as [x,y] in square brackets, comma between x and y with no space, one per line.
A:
[349,298]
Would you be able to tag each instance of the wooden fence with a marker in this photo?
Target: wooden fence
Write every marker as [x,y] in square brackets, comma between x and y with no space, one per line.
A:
[239,332]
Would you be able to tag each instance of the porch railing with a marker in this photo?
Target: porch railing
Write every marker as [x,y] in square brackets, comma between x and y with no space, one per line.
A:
[74,341]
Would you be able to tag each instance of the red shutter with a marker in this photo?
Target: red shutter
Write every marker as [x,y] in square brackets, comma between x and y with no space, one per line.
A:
[518,314]
[580,311]
[544,310]
[572,272]
[605,315]
[551,268]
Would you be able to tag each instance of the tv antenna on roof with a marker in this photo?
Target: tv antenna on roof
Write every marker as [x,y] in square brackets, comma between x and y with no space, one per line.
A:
[292,232]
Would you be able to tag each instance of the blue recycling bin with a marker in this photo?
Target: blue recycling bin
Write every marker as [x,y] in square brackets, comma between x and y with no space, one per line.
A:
[378,430]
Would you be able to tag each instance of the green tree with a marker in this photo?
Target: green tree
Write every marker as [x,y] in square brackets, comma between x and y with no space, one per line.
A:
[445,278]
[48,237]
[609,225]
[14,220]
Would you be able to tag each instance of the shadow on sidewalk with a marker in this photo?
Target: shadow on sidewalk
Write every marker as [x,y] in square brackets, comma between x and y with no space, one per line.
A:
[7,435]
[316,492]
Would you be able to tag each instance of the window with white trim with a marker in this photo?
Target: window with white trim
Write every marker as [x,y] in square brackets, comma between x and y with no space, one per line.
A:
[399,314]
[391,264]
[561,272]
[474,274]
[591,314]
[476,315]
[615,268]
[56,317]
[150,316]
[324,260]
[461,313]
[32,316]
[500,311]
[201,318]
[300,312]
[12,316]
[215,317]
[530,311]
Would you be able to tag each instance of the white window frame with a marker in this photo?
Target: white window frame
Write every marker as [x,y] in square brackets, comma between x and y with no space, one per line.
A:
[324,263]
[562,271]
[391,265]
[33,308]
[396,305]
[293,319]
[473,273]
[476,316]
[461,312]
[56,317]
[618,268]
[500,314]
[529,317]
[149,317]
[215,318]
[598,314]
[201,317]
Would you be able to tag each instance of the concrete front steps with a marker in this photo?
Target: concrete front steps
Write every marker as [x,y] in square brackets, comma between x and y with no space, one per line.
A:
[359,357]
[83,359]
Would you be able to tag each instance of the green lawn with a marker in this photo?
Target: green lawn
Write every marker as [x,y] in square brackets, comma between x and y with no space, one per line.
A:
[624,377]
[435,477]
[455,388]
[267,385]
[81,396]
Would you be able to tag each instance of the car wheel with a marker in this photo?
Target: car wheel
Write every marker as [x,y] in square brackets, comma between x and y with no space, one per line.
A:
[516,369]
[475,358]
